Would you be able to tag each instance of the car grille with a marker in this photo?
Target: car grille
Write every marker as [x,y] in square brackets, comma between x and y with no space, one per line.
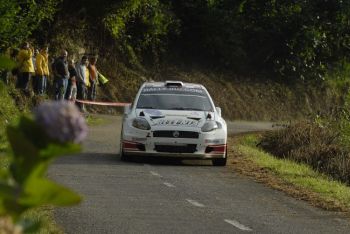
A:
[190,148]
[181,134]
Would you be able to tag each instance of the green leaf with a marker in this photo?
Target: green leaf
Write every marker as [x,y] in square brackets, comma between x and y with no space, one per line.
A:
[13,208]
[41,191]
[33,132]
[7,191]
[20,144]
[55,150]
[38,170]
[25,154]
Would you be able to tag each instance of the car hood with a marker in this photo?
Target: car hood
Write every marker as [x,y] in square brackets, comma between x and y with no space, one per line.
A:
[176,117]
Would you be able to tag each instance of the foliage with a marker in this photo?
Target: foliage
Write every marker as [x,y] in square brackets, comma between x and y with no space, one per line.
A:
[292,38]
[143,27]
[19,18]
[330,194]
[316,143]
[24,186]
[8,113]
[6,63]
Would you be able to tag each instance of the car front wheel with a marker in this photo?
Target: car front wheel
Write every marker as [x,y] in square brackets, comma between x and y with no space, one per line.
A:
[220,161]
[123,157]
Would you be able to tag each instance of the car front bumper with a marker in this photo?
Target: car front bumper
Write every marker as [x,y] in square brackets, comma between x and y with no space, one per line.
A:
[211,145]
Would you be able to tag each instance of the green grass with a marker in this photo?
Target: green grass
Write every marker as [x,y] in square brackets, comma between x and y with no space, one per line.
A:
[94,120]
[8,113]
[45,216]
[297,174]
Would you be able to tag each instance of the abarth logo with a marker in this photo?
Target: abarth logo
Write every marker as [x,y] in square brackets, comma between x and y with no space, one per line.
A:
[176,134]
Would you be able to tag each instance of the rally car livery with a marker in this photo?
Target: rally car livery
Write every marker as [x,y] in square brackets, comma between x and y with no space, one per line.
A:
[174,119]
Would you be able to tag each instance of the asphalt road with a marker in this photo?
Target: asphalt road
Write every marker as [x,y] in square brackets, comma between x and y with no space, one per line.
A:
[156,196]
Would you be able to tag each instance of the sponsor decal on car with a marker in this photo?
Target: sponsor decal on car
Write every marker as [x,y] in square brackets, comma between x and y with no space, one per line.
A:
[159,89]
[177,122]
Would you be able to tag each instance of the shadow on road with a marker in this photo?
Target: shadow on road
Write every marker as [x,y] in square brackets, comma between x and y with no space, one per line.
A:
[167,161]
[114,159]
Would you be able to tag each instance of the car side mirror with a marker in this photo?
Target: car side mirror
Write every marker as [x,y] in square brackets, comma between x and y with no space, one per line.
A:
[218,110]
[127,109]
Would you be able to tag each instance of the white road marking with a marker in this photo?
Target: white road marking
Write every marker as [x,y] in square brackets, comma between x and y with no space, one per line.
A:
[195,203]
[169,185]
[154,173]
[238,225]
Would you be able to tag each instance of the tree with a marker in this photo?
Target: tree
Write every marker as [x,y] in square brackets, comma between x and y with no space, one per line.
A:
[18,19]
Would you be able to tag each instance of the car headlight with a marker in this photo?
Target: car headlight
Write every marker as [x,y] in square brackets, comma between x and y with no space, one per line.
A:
[209,126]
[141,123]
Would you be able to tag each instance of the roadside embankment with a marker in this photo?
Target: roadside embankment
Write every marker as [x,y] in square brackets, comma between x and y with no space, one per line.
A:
[240,99]
[296,179]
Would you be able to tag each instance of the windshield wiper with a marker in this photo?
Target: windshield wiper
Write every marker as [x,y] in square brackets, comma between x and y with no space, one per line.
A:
[145,107]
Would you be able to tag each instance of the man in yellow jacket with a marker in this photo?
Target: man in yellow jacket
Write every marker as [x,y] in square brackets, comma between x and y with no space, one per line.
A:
[42,70]
[25,66]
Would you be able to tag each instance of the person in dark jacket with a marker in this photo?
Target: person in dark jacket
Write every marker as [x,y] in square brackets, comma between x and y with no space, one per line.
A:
[61,74]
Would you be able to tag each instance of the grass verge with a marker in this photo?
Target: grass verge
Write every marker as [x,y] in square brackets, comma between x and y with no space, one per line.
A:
[45,216]
[94,120]
[296,179]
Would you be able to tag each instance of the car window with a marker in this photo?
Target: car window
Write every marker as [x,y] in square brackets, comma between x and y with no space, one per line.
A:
[164,98]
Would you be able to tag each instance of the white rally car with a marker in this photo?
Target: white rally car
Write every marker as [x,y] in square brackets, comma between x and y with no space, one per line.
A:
[174,119]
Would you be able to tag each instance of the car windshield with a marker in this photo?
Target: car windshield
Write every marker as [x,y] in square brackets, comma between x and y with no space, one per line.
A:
[176,98]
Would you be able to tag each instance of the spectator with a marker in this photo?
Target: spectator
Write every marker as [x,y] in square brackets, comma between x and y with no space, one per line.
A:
[25,66]
[72,86]
[93,77]
[83,80]
[42,70]
[61,75]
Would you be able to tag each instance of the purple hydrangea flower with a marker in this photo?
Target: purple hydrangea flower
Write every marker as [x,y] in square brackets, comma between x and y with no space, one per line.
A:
[61,121]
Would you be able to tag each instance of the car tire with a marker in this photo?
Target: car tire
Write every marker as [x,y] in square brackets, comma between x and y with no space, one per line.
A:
[220,162]
[123,157]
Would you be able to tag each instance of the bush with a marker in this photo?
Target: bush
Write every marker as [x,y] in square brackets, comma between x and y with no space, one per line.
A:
[314,143]
[8,112]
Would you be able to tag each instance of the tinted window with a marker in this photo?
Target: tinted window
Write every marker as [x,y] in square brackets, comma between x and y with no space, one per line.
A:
[174,99]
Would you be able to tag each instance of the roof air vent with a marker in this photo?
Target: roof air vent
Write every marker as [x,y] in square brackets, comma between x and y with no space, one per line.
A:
[170,83]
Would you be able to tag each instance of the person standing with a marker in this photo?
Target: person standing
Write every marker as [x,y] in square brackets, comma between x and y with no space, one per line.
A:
[26,67]
[61,74]
[72,86]
[83,80]
[42,70]
[93,77]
